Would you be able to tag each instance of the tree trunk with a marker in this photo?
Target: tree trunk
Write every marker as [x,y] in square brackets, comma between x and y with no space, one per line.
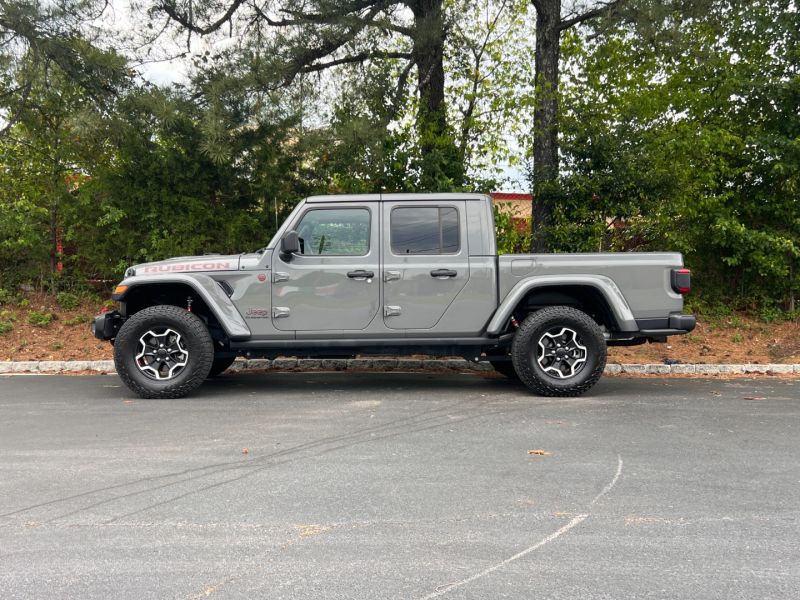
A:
[545,118]
[442,167]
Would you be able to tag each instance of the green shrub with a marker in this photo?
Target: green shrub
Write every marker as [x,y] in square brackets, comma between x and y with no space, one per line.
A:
[68,301]
[77,320]
[6,297]
[512,230]
[39,319]
[56,345]
[5,327]
[771,313]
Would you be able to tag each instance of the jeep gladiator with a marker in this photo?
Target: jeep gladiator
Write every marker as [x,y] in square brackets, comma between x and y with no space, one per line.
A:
[391,275]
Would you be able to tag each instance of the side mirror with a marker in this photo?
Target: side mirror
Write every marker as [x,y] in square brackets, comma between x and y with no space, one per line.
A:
[290,244]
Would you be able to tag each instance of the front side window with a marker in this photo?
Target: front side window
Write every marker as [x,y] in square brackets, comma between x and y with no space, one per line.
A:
[341,231]
[424,230]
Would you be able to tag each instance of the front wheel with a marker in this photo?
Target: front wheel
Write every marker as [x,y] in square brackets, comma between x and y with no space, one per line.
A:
[163,352]
[559,351]
[220,365]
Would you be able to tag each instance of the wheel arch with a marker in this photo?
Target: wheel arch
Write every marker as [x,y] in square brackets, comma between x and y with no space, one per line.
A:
[209,300]
[596,295]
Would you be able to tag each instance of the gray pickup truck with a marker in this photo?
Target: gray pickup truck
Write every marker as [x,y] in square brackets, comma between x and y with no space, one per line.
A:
[391,275]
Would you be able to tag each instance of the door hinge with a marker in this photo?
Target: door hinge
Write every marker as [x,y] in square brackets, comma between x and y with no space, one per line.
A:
[391,275]
[278,276]
[391,311]
[280,311]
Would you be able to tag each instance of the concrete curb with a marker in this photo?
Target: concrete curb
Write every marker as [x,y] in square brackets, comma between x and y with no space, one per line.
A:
[391,364]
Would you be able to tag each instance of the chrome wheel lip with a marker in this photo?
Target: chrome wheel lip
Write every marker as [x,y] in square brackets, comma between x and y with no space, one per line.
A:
[161,356]
[561,353]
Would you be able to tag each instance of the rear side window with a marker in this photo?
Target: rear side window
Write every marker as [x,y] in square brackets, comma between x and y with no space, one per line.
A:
[424,230]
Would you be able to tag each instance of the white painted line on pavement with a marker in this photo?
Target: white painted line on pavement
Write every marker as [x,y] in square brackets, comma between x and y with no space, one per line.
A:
[607,489]
[575,521]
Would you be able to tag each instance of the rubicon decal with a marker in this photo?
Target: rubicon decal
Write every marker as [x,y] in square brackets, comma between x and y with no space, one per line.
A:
[218,266]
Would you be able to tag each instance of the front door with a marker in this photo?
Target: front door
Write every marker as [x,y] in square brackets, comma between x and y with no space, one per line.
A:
[426,261]
[332,283]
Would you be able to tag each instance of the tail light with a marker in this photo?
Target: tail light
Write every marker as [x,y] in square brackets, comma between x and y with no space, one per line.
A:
[681,280]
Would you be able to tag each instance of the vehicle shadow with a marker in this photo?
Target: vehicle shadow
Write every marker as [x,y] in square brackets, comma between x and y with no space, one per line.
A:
[303,381]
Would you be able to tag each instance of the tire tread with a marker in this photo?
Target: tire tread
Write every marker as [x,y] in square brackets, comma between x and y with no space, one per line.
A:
[156,315]
[520,350]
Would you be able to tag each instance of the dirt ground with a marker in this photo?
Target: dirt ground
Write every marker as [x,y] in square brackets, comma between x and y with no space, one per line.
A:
[736,339]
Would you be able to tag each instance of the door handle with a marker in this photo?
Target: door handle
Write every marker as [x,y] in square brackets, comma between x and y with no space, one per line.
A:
[361,274]
[443,273]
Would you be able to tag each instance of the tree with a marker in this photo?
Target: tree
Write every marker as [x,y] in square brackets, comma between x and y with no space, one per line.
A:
[175,188]
[489,61]
[40,38]
[56,86]
[294,39]
[695,151]
[549,26]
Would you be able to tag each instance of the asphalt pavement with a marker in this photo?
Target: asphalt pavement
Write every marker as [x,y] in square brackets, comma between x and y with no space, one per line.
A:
[399,485]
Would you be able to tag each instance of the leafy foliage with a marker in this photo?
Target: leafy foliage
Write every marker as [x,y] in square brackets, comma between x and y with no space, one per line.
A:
[39,319]
[678,130]
[513,231]
[696,153]
[68,301]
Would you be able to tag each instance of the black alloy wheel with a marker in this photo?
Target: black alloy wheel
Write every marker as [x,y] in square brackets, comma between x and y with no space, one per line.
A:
[163,352]
[559,351]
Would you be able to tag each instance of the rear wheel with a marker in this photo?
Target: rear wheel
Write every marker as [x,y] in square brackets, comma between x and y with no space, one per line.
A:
[504,367]
[163,352]
[559,351]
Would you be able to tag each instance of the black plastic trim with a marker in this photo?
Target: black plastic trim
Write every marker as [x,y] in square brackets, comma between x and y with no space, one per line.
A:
[659,323]
[363,343]
[105,326]
[685,321]
[226,287]
[659,332]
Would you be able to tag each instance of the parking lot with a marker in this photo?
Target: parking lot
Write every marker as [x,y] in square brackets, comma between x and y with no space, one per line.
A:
[400,485]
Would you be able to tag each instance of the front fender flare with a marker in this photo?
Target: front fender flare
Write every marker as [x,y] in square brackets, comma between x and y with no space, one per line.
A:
[207,288]
[606,286]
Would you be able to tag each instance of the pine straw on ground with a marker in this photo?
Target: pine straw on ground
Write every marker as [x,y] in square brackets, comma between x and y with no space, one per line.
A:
[736,339]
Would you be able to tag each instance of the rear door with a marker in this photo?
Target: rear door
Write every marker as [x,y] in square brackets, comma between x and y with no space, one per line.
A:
[426,261]
[332,284]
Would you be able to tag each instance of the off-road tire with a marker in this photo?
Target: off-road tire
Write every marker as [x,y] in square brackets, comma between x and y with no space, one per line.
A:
[540,325]
[220,365]
[194,335]
[504,367]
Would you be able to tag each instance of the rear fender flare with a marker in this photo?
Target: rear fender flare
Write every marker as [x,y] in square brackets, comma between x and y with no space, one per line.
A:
[606,286]
[205,287]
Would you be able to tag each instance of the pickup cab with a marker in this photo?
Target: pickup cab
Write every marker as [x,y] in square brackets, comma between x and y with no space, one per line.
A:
[391,275]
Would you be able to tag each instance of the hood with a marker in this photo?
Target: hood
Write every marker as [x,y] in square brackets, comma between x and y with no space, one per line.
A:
[186,264]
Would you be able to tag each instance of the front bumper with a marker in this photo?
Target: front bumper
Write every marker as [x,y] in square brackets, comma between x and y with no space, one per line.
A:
[106,325]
